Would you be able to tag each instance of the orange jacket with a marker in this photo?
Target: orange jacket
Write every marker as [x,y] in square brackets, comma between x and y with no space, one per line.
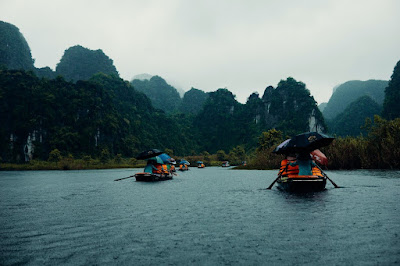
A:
[164,169]
[316,171]
[159,169]
[286,169]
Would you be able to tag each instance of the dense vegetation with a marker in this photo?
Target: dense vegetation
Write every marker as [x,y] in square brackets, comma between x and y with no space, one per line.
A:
[379,149]
[104,113]
[85,111]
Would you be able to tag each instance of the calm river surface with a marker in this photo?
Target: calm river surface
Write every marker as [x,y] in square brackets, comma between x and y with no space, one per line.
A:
[210,216]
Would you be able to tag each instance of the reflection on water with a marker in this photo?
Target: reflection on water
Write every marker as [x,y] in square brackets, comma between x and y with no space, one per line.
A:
[202,216]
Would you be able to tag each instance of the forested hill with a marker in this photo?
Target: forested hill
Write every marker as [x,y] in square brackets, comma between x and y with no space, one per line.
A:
[193,101]
[162,95]
[223,122]
[352,120]
[82,118]
[14,50]
[391,106]
[350,91]
[79,63]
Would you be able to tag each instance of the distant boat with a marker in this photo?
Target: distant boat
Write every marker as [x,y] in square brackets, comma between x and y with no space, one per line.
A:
[225,164]
[200,164]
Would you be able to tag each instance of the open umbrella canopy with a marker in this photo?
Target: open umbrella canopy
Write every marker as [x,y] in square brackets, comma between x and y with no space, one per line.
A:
[305,142]
[183,161]
[148,154]
[155,159]
[166,158]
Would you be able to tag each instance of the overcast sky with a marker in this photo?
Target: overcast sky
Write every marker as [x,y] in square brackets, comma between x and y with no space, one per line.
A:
[243,46]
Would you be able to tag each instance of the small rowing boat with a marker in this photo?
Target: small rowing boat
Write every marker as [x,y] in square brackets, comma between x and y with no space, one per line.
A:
[302,183]
[151,177]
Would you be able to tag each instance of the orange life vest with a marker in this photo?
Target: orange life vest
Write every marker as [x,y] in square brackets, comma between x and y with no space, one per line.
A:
[164,168]
[316,171]
[286,169]
[159,169]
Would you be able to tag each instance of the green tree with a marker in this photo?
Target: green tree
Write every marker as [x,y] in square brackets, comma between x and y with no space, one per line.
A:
[104,156]
[269,139]
[221,155]
[55,156]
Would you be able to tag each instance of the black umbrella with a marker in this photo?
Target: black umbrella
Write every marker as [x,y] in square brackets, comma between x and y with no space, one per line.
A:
[148,154]
[305,142]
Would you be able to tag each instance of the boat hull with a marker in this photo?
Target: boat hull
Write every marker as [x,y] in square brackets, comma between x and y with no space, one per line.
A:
[149,177]
[302,184]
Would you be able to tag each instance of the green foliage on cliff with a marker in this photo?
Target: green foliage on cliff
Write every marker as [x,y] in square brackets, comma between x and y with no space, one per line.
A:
[79,63]
[193,101]
[14,50]
[162,95]
[391,106]
[82,119]
[290,106]
[217,121]
[350,91]
[352,119]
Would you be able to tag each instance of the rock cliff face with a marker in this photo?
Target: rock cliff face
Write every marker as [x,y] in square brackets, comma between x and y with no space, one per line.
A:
[291,108]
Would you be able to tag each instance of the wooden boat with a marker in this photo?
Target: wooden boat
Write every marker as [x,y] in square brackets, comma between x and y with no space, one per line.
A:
[302,183]
[225,164]
[150,177]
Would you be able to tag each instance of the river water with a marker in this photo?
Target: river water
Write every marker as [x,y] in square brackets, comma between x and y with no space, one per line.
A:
[210,216]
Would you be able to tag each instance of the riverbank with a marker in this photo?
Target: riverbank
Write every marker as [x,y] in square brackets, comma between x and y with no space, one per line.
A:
[70,164]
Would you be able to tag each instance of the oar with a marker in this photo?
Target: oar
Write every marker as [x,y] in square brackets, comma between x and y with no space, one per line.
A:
[270,186]
[124,178]
[333,183]
[279,175]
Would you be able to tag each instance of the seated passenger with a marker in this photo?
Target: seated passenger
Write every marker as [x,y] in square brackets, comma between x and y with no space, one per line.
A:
[157,168]
[148,168]
[286,169]
[316,171]
[305,163]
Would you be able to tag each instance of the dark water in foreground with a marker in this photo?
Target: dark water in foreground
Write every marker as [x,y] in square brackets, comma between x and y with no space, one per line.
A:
[211,216]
